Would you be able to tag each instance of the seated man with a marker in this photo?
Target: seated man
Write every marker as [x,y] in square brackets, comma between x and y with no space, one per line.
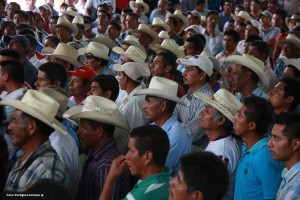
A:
[145,161]
[202,176]
[33,122]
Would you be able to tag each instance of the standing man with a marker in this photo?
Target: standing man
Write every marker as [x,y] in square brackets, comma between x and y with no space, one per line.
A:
[258,175]
[196,76]
[160,102]
[285,146]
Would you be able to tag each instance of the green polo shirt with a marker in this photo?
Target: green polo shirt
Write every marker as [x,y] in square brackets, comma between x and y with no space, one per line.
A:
[154,187]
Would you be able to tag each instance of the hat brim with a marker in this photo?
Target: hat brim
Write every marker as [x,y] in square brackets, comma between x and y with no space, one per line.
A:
[83,51]
[75,63]
[105,41]
[70,26]
[146,6]
[289,40]
[77,113]
[132,43]
[293,62]
[34,113]
[179,53]
[182,17]
[160,94]
[150,32]
[73,14]
[215,104]
[236,59]
[166,27]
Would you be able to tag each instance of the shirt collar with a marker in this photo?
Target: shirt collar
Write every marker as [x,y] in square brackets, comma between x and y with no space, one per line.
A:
[287,175]
[257,146]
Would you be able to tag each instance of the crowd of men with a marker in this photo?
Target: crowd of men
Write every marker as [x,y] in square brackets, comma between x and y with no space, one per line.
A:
[182,100]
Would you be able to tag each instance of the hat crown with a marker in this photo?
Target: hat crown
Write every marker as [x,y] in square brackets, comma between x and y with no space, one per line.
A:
[96,48]
[131,38]
[178,12]
[84,72]
[139,1]
[169,43]
[131,69]
[133,50]
[292,36]
[164,85]
[157,20]
[143,26]
[43,104]
[163,35]
[258,62]
[103,39]
[227,100]
[78,20]
[61,20]
[66,50]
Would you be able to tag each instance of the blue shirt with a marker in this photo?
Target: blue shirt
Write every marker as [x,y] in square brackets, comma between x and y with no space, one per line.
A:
[279,68]
[258,175]
[30,72]
[71,131]
[180,143]
[290,185]
[257,92]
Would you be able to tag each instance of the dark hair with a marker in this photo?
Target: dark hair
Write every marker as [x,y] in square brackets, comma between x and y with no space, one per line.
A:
[261,46]
[108,129]
[54,17]
[135,16]
[212,12]
[252,38]
[103,5]
[32,40]
[44,128]
[257,1]
[108,82]
[169,58]
[27,31]
[54,71]
[64,5]
[14,69]
[3,2]
[201,37]
[18,7]
[291,88]
[127,10]
[54,39]
[260,111]
[292,124]
[10,53]
[30,13]
[22,26]
[234,34]
[174,21]
[23,13]
[154,139]
[116,24]
[296,71]
[197,42]
[240,6]
[205,172]
[170,105]
[254,76]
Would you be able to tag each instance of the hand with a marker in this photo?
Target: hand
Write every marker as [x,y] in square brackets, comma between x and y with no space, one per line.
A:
[118,166]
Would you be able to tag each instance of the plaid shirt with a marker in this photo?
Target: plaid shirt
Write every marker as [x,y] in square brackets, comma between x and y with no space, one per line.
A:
[190,116]
[42,163]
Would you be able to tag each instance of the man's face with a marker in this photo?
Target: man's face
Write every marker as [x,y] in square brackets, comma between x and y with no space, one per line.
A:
[30,2]
[92,62]
[178,188]
[212,20]
[131,23]
[76,87]
[152,108]
[122,80]
[207,118]
[276,96]
[250,30]
[157,29]
[138,9]
[42,80]
[288,71]
[276,20]
[9,31]
[188,49]
[280,146]
[265,20]
[254,6]
[19,19]
[10,11]
[44,12]
[289,50]
[112,32]
[227,7]
[63,33]
[229,43]
[49,43]
[87,136]
[96,90]
[17,129]
[191,76]
[134,162]
[239,81]
[240,122]
[144,39]
[193,20]
[102,19]
[157,67]
[17,46]
[161,7]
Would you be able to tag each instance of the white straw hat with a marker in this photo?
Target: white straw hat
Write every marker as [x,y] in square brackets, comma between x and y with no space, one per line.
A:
[179,15]
[145,29]
[98,109]
[67,53]
[79,21]
[136,55]
[158,22]
[131,40]
[163,35]
[202,62]
[162,88]
[62,21]
[146,6]
[70,11]
[243,14]
[194,28]
[292,61]
[103,39]
[39,106]
[98,50]
[131,69]
[170,45]
[223,100]
[290,38]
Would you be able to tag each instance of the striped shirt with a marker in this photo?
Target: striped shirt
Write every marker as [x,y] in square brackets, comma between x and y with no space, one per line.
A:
[95,171]
[190,116]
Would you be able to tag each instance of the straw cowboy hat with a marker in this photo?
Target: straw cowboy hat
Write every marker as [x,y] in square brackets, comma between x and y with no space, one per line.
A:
[223,100]
[202,62]
[243,14]
[216,64]
[163,88]
[47,50]
[131,40]
[141,2]
[96,49]
[292,61]
[79,21]
[170,45]
[62,21]
[158,22]
[131,69]
[58,94]
[252,63]
[103,39]
[290,38]
[254,23]
[67,53]
[71,11]
[179,15]
[194,28]
[145,29]
[163,35]
[136,55]
[98,109]
[39,106]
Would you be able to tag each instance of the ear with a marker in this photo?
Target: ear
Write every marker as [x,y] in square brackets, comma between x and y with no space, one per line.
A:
[107,94]
[148,157]
[251,126]
[248,75]
[31,127]
[295,145]
[5,77]
[164,105]
[57,83]
[197,195]
[67,66]
[202,76]
[221,121]
[168,68]
[289,99]
[99,132]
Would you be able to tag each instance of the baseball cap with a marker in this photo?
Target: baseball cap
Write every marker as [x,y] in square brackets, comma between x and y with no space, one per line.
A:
[266,13]
[131,69]
[84,71]
[200,61]
[19,38]
[194,13]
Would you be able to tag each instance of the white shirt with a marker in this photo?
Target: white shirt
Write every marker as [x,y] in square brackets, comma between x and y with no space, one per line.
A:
[35,61]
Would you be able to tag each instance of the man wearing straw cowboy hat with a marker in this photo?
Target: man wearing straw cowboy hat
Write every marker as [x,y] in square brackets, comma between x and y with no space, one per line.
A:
[196,77]
[98,118]
[65,30]
[248,73]
[216,119]
[140,8]
[160,102]
[33,122]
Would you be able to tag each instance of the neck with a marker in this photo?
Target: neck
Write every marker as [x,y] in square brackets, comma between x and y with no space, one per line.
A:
[211,31]
[162,120]
[11,87]
[32,145]
[292,161]
[104,139]
[214,134]
[130,88]
[151,170]
[251,138]
[248,89]
[193,89]
[79,99]
[281,110]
